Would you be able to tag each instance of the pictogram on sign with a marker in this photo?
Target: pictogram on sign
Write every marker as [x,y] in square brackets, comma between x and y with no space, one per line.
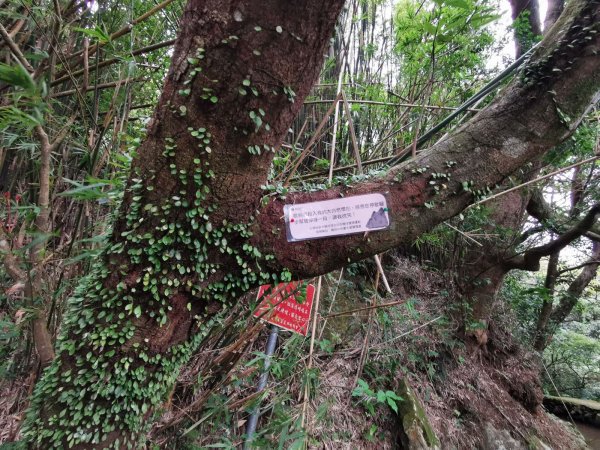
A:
[337,217]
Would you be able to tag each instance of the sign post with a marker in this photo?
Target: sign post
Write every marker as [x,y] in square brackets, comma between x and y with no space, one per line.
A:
[262,383]
[281,310]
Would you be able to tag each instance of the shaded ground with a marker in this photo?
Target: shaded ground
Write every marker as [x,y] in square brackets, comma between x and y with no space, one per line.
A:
[473,396]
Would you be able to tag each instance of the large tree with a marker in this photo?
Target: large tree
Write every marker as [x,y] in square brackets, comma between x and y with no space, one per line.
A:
[193,233]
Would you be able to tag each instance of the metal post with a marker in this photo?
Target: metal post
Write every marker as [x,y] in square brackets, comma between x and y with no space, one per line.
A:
[262,383]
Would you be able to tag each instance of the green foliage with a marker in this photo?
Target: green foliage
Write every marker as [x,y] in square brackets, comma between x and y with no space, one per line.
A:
[370,398]
[573,366]
[581,144]
[100,35]
[17,76]
[572,357]
[525,296]
[10,333]
[523,32]
[445,39]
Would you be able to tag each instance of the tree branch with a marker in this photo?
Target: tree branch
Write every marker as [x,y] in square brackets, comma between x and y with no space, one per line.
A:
[530,260]
[108,62]
[11,263]
[124,30]
[576,288]
[516,128]
[544,213]
[99,86]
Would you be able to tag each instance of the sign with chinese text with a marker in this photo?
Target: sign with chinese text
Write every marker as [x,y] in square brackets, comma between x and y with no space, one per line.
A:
[280,307]
[336,217]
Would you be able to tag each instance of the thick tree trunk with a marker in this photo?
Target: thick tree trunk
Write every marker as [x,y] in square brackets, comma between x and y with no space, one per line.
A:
[482,273]
[542,334]
[189,238]
[178,255]
[555,8]
[524,122]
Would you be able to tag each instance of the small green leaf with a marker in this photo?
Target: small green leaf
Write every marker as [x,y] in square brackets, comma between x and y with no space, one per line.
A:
[392,404]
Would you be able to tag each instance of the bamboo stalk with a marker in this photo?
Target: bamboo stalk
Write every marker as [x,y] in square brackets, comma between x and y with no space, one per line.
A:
[312,141]
[551,174]
[312,347]
[15,50]
[366,308]
[126,29]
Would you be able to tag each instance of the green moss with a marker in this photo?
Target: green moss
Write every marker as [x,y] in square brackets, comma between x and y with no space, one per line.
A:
[414,419]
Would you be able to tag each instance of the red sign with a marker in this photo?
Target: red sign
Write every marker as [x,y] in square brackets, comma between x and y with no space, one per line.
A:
[281,308]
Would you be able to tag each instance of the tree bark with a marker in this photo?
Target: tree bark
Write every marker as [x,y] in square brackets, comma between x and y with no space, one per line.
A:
[530,259]
[178,255]
[555,8]
[546,310]
[191,236]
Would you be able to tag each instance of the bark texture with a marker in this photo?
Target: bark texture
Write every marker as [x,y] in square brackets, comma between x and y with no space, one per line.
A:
[178,255]
[534,113]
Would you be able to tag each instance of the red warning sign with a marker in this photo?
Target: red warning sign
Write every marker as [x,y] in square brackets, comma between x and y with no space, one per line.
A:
[281,307]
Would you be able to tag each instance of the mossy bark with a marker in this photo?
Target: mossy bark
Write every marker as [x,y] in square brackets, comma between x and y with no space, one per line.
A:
[417,433]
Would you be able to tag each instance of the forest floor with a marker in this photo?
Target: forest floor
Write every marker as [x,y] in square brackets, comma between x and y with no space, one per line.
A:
[472,396]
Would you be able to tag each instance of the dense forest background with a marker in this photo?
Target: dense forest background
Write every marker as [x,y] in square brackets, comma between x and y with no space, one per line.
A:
[449,341]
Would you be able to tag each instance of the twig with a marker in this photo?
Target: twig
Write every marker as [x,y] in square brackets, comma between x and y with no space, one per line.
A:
[312,347]
[337,286]
[402,105]
[99,86]
[527,183]
[352,134]
[108,62]
[126,29]
[364,352]
[383,277]
[313,139]
[11,263]
[384,344]
[466,236]
[366,308]
[86,64]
